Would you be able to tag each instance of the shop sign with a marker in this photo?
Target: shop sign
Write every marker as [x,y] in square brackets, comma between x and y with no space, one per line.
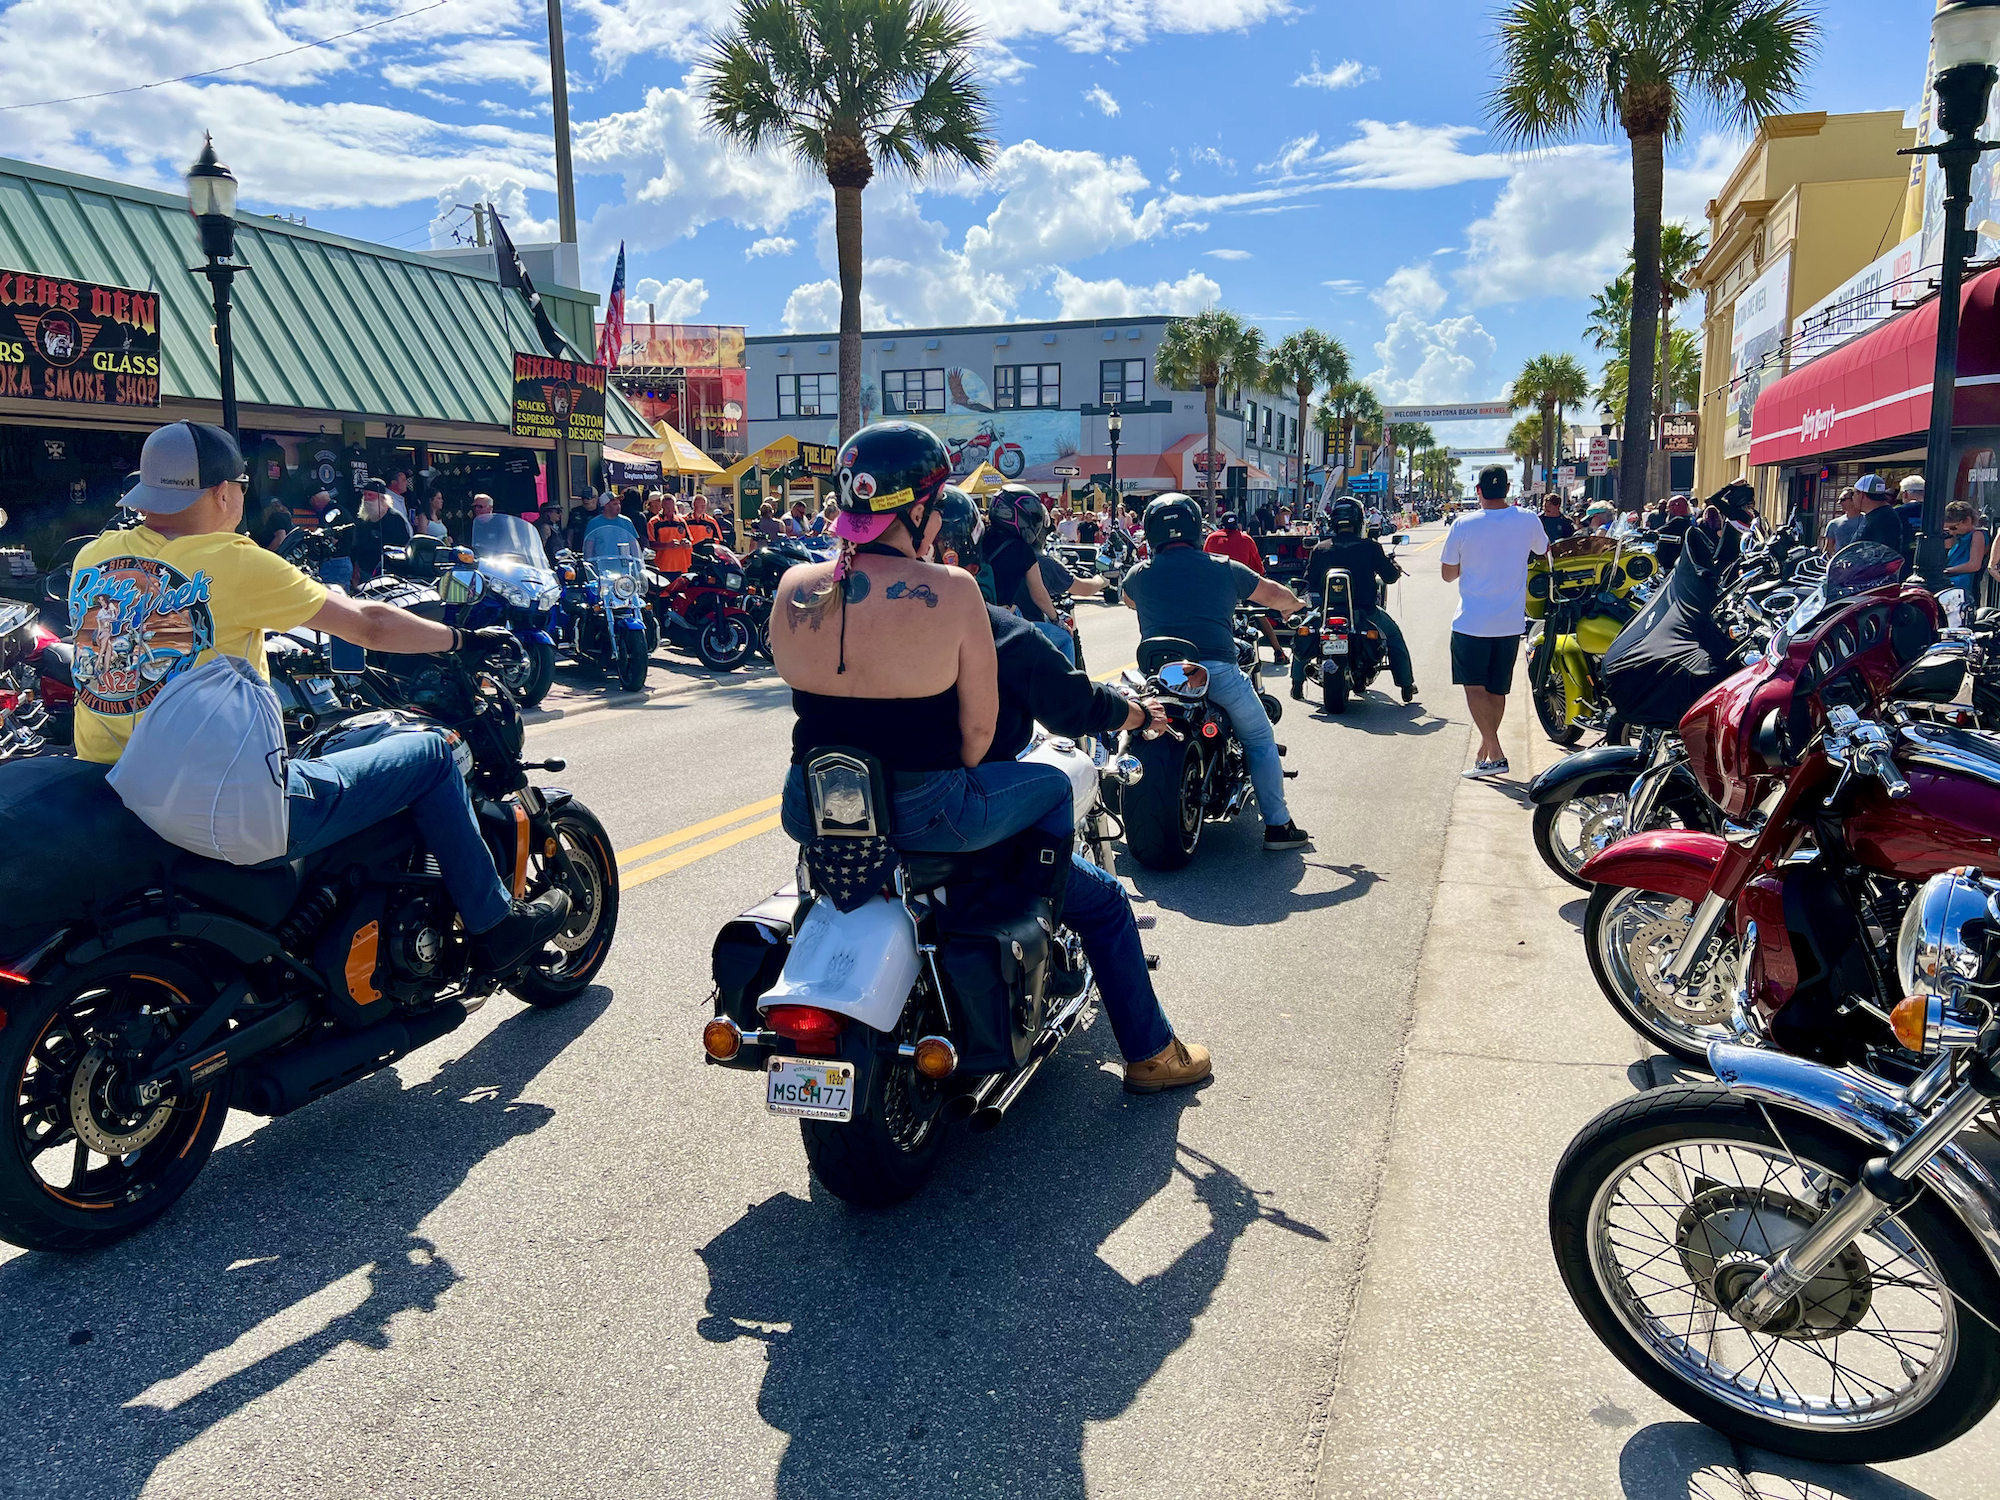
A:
[1680,432]
[77,341]
[558,399]
[818,458]
[1757,350]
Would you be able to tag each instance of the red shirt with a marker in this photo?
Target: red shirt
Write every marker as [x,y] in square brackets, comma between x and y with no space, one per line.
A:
[1236,544]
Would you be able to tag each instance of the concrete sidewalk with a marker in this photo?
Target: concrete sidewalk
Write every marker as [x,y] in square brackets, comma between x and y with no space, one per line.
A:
[1467,1372]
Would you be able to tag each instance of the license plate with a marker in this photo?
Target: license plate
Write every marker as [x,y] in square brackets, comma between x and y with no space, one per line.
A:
[816,1090]
[1338,645]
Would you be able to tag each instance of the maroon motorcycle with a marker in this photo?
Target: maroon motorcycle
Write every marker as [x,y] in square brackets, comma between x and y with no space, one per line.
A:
[1844,780]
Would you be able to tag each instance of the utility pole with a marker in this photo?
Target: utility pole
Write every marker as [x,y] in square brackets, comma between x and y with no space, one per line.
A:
[559,97]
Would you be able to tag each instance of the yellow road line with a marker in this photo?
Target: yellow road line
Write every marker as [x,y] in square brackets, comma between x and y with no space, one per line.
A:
[1114,672]
[668,840]
[694,852]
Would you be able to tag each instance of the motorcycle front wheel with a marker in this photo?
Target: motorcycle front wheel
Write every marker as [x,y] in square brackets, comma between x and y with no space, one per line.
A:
[1670,1204]
[725,640]
[1545,686]
[531,679]
[631,660]
[1163,810]
[1630,936]
[1011,462]
[592,885]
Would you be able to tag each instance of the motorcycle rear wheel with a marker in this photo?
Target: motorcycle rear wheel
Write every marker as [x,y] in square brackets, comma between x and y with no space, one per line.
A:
[585,942]
[1163,810]
[1545,686]
[1333,687]
[890,1149]
[1670,1193]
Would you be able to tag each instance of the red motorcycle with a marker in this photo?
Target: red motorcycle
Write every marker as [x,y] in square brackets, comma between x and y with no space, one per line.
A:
[1843,781]
[986,446]
[37,692]
[702,610]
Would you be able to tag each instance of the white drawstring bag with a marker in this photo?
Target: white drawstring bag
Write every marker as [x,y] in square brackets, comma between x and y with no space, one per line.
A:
[205,767]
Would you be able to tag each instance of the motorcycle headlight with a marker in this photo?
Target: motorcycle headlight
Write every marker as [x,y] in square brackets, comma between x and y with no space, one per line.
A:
[514,593]
[732,580]
[624,587]
[549,597]
[1935,951]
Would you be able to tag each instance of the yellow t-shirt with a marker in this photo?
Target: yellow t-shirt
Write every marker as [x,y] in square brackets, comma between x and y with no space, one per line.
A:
[145,607]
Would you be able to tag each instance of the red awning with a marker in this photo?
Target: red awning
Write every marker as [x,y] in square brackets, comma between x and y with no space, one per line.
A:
[1879,386]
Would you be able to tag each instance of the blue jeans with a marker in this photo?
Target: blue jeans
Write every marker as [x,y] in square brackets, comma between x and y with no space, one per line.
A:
[1062,640]
[337,570]
[955,811]
[1233,693]
[338,795]
[1097,910]
[1400,670]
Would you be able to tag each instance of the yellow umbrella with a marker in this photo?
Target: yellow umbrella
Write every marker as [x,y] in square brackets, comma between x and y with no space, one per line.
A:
[983,480]
[679,456]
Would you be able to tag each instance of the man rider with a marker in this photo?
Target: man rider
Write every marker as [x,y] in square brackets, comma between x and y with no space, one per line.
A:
[1017,522]
[222,594]
[1037,685]
[1182,591]
[1369,571]
[1233,541]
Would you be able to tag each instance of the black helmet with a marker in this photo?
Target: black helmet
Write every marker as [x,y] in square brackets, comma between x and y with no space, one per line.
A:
[882,471]
[1018,507]
[1345,515]
[1173,518]
[959,528]
[1229,521]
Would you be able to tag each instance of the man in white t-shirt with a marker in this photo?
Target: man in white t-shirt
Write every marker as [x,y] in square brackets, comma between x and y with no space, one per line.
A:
[1487,554]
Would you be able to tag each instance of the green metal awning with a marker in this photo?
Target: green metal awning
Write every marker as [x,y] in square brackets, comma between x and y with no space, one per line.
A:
[323,324]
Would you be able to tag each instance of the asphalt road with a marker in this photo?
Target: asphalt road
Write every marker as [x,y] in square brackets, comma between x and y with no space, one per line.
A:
[554,1255]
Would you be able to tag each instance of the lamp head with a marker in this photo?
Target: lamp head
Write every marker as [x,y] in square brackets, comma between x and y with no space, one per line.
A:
[1965,42]
[212,201]
[1114,423]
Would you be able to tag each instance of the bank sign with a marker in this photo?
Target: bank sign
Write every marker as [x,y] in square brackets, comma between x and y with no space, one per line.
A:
[558,398]
[76,341]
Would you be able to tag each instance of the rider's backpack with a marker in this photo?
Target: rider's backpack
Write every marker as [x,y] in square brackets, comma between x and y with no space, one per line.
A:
[205,767]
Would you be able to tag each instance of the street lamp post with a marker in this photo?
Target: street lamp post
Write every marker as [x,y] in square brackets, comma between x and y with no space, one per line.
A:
[1965,36]
[212,201]
[1114,427]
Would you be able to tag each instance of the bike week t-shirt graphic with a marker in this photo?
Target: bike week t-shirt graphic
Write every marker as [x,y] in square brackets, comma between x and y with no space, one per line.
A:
[144,608]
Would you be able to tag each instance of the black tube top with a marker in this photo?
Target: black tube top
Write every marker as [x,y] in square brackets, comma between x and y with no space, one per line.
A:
[905,734]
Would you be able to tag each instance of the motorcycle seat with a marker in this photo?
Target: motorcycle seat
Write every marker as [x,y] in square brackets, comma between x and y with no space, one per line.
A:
[926,872]
[1156,651]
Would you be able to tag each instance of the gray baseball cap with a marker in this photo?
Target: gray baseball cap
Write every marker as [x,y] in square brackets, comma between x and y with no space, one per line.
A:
[181,460]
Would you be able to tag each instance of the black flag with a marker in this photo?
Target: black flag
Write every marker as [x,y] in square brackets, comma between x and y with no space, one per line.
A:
[514,274]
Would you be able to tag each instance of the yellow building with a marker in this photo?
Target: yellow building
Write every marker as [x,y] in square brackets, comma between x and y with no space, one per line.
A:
[1815,200]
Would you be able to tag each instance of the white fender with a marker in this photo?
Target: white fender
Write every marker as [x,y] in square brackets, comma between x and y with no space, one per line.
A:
[861,964]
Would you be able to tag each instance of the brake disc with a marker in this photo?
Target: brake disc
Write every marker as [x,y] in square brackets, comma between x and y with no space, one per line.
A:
[1728,1235]
[1703,1002]
[1603,825]
[97,1123]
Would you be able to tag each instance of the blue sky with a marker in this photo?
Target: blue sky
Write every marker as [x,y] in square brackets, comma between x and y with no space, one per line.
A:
[1299,163]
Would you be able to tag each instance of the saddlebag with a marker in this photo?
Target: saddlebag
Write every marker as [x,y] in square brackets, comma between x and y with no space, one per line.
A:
[748,956]
[994,964]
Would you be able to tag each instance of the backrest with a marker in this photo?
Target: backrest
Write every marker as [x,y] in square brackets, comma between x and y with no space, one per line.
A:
[1157,650]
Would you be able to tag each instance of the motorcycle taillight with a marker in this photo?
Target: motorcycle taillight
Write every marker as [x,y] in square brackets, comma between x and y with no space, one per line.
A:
[1338,622]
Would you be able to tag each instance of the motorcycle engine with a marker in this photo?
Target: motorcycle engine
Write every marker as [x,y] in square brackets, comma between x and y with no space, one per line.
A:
[421,947]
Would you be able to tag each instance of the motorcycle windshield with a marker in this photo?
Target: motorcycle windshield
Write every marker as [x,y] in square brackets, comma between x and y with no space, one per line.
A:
[1858,569]
[508,539]
[610,549]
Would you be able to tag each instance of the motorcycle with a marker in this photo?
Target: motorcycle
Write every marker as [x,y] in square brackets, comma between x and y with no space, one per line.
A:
[1838,795]
[761,571]
[521,592]
[987,446]
[37,689]
[704,610]
[1805,1257]
[1581,595]
[1194,773]
[885,996]
[1351,653]
[1116,556]
[149,991]
[604,614]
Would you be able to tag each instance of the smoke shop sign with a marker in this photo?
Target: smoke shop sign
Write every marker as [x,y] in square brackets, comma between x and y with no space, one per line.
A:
[76,341]
[558,398]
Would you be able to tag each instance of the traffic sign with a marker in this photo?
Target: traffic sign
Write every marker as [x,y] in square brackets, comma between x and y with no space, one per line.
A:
[1369,482]
[1067,471]
[1600,455]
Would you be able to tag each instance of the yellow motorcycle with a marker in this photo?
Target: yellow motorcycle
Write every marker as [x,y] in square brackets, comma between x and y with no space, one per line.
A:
[1582,594]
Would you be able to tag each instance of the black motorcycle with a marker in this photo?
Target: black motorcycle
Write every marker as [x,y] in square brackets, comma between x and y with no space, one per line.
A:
[1194,773]
[148,991]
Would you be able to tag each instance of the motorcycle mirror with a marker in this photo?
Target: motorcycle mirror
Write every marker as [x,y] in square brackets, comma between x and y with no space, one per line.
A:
[1185,679]
[1398,540]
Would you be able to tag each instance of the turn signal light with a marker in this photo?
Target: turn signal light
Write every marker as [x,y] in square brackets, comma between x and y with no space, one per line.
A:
[1208,730]
[936,1057]
[720,1039]
[813,1030]
[1910,1020]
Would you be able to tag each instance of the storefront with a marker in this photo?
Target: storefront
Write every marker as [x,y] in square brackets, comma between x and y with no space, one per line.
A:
[1865,408]
[350,357]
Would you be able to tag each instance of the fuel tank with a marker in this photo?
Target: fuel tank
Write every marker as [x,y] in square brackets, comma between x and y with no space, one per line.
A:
[1951,817]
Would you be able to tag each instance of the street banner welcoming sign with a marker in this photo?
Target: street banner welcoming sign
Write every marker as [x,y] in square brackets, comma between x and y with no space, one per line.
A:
[558,398]
[76,341]
[1464,411]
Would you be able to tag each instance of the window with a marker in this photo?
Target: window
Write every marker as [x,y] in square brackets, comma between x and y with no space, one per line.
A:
[1267,427]
[1121,381]
[1250,422]
[1027,385]
[912,391]
[808,395]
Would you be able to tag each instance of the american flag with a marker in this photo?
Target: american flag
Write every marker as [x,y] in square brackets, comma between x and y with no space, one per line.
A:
[611,338]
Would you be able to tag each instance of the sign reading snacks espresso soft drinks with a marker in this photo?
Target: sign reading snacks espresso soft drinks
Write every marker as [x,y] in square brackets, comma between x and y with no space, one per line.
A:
[76,341]
[558,398]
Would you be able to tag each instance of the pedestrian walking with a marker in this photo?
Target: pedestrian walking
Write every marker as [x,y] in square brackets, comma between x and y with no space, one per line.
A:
[1486,554]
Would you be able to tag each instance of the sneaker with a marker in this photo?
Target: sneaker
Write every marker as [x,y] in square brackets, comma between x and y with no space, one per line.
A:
[1410,693]
[1286,836]
[1173,1067]
[520,934]
[1298,692]
[1279,658]
[1482,769]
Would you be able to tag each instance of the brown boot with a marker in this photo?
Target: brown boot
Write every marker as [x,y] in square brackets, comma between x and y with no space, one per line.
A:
[1174,1067]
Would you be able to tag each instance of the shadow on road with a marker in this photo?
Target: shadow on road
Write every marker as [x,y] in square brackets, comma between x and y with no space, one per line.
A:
[963,1343]
[1208,894]
[158,1339]
[1677,1461]
[1382,714]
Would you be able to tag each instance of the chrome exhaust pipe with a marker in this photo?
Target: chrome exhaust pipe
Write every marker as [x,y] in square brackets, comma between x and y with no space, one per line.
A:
[964,1106]
[991,1107]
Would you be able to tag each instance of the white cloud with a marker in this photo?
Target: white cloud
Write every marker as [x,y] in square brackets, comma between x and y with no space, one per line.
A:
[1228,254]
[514,60]
[1343,287]
[1410,289]
[1060,206]
[1101,97]
[771,244]
[1208,156]
[1191,226]
[508,195]
[815,308]
[674,300]
[1450,360]
[1342,75]
[1114,299]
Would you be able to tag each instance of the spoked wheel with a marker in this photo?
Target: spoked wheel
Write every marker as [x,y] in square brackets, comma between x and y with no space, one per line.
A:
[631,647]
[1545,685]
[890,1148]
[87,1163]
[579,950]
[1569,832]
[1670,1205]
[1630,937]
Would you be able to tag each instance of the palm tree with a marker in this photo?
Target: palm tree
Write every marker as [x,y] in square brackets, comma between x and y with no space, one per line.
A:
[1524,438]
[842,86]
[1645,66]
[1305,360]
[1350,406]
[1209,349]
[1550,382]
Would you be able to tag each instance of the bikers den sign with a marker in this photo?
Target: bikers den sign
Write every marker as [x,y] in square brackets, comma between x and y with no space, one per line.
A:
[76,341]
[558,398]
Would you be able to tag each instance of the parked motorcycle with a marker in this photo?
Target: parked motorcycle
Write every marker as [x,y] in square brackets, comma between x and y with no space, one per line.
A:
[37,689]
[706,609]
[892,994]
[1805,1257]
[987,446]
[604,617]
[521,592]
[1581,595]
[149,991]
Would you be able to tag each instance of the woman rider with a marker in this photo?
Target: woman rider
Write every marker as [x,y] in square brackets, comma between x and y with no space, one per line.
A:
[894,655]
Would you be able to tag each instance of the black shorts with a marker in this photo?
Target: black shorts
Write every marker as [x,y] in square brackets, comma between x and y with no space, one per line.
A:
[1484,661]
